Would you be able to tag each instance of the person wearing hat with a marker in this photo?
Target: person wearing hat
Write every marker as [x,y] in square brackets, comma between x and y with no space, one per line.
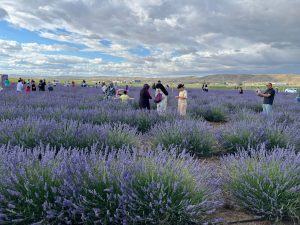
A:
[182,100]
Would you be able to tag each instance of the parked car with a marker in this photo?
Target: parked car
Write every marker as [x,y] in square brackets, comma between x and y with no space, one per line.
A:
[291,90]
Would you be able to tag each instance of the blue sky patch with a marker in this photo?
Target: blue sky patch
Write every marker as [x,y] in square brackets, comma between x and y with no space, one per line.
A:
[105,43]
[140,51]
[12,33]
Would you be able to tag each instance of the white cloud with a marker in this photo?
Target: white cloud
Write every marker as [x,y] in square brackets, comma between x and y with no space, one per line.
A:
[185,37]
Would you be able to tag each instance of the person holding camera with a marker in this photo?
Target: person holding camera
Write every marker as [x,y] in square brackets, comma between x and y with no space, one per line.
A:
[268,96]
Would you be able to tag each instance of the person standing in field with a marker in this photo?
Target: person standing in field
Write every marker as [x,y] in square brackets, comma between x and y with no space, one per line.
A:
[19,85]
[33,86]
[50,86]
[104,87]
[83,84]
[28,87]
[162,93]
[182,100]
[206,88]
[241,91]
[145,96]
[127,87]
[6,82]
[268,96]
[298,95]
[110,91]
[42,85]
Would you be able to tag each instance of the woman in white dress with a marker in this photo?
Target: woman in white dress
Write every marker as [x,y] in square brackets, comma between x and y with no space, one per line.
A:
[182,100]
[162,105]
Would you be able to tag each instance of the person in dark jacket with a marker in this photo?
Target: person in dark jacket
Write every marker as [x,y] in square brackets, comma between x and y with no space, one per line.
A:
[145,97]
[241,91]
[33,86]
[42,85]
[268,96]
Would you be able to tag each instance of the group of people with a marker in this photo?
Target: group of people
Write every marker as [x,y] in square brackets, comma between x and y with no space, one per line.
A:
[31,86]
[161,98]
[112,91]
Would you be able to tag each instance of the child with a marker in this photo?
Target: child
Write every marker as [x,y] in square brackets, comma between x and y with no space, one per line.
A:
[182,100]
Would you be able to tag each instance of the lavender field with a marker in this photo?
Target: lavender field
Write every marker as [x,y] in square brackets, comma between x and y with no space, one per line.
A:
[72,157]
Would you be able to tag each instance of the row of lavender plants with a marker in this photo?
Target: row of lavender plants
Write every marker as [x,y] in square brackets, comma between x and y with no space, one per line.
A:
[41,186]
[197,137]
[140,186]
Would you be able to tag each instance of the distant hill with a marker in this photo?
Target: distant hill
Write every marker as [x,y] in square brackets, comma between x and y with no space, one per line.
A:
[284,79]
[292,79]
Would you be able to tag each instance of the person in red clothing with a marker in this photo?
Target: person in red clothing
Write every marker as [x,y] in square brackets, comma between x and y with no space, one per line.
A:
[28,87]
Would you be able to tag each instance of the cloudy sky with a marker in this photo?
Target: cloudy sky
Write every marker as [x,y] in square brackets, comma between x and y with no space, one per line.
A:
[149,37]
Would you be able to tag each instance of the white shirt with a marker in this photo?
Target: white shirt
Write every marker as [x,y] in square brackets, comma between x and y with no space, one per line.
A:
[104,88]
[19,86]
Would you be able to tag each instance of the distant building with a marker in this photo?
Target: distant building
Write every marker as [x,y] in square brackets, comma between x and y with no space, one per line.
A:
[137,81]
[280,84]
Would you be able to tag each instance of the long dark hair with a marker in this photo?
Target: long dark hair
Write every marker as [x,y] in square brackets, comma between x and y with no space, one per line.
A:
[162,88]
[146,87]
[144,90]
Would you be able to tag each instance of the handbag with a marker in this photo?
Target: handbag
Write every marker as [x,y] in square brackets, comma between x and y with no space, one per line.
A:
[158,98]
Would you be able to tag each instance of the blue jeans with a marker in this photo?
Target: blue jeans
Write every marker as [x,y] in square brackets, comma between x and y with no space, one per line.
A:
[267,108]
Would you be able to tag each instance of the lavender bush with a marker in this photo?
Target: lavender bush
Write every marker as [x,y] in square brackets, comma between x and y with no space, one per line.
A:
[196,137]
[68,133]
[117,187]
[209,113]
[265,183]
[253,133]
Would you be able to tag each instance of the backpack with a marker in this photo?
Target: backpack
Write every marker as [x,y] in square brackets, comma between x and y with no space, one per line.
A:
[158,98]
